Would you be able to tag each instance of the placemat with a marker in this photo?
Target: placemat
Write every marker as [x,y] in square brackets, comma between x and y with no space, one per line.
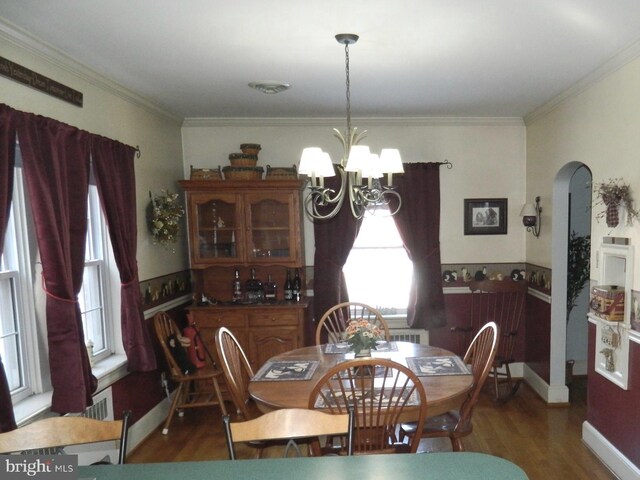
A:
[281,370]
[433,366]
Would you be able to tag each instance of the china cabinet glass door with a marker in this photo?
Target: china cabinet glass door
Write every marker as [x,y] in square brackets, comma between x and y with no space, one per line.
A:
[216,233]
[270,233]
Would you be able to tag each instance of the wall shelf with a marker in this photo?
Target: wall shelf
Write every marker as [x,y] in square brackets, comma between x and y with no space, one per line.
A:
[612,338]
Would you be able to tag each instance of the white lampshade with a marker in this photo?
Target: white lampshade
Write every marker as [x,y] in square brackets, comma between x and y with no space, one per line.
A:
[315,162]
[325,166]
[528,210]
[372,168]
[358,156]
[391,161]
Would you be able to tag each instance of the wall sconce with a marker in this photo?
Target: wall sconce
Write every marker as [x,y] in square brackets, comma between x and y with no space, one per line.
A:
[531,217]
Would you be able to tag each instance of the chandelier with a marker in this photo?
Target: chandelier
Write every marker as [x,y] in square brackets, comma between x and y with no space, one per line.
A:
[356,165]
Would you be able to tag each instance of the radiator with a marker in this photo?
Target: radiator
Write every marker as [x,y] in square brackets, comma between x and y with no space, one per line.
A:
[410,335]
[102,409]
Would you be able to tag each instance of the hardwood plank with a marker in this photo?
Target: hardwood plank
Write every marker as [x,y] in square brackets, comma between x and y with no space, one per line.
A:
[544,441]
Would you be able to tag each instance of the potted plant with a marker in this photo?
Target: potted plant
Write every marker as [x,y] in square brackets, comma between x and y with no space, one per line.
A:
[613,193]
[578,267]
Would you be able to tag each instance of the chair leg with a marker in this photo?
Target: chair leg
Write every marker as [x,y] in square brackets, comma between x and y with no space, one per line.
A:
[216,387]
[456,444]
[512,387]
[174,405]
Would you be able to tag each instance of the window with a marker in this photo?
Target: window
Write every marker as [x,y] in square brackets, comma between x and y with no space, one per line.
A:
[21,305]
[18,344]
[94,283]
[11,314]
[378,271]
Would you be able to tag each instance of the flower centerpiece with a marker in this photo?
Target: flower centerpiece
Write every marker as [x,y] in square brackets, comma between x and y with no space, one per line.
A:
[613,193]
[165,212]
[362,335]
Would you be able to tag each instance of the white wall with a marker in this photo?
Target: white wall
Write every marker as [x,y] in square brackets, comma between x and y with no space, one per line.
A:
[111,112]
[598,127]
[488,157]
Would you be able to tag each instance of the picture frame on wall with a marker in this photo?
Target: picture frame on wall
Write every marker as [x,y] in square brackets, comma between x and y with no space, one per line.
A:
[485,216]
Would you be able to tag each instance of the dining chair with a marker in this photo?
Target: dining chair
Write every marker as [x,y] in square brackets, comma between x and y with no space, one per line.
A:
[236,369]
[380,391]
[457,423]
[289,424]
[197,387]
[333,323]
[65,431]
[501,302]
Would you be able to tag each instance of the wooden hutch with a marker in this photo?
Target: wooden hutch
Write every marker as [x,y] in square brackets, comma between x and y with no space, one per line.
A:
[246,224]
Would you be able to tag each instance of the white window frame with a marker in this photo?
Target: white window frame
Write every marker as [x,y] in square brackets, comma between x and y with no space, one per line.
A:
[96,257]
[17,241]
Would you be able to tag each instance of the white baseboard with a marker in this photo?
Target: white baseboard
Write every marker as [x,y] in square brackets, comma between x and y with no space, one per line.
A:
[620,465]
[147,424]
[550,394]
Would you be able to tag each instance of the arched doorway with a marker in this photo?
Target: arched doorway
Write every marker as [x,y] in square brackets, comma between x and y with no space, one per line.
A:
[572,213]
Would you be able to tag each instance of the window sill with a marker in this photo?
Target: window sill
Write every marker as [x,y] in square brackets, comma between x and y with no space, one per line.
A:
[107,371]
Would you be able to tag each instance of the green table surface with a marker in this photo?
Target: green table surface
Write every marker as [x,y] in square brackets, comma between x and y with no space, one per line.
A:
[435,466]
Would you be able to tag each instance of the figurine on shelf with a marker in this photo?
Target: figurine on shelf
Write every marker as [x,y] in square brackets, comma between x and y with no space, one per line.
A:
[466,276]
[481,274]
[608,359]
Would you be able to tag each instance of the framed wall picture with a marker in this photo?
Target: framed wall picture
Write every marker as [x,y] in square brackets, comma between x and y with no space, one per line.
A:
[485,216]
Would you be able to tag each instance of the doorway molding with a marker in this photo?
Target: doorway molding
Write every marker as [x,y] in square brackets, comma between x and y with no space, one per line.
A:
[558,391]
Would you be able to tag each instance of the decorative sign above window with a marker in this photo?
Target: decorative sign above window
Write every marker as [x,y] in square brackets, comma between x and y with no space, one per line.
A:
[32,79]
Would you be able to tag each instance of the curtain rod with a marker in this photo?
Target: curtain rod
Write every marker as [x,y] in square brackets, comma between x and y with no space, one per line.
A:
[138,151]
[447,163]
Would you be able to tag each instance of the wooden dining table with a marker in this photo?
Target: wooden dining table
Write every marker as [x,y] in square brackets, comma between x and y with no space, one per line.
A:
[444,392]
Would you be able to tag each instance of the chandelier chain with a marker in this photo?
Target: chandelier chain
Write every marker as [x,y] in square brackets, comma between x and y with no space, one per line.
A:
[348,94]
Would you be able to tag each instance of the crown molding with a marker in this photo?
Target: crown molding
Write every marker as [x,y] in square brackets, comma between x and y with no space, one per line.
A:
[624,57]
[24,40]
[333,121]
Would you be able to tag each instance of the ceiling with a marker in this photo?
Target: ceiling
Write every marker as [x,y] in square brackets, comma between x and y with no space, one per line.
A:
[416,58]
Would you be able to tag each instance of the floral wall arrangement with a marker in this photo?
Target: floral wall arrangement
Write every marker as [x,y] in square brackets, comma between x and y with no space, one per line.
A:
[614,193]
[164,214]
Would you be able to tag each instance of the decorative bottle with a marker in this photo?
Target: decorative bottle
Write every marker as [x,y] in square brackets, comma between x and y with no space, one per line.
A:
[270,290]
[237,286]
[296,286]
[288,287]
[254,288]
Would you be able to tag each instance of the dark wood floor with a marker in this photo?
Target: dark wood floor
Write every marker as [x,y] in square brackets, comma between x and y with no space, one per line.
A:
[545,441]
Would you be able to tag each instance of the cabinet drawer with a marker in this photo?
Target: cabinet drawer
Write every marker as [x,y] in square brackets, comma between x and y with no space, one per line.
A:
[213,319]
[278,317]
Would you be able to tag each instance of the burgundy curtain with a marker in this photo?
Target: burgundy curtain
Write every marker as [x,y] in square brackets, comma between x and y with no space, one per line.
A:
[418,222]
[334,239]
[56,169]
[7,162]
[115,177]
